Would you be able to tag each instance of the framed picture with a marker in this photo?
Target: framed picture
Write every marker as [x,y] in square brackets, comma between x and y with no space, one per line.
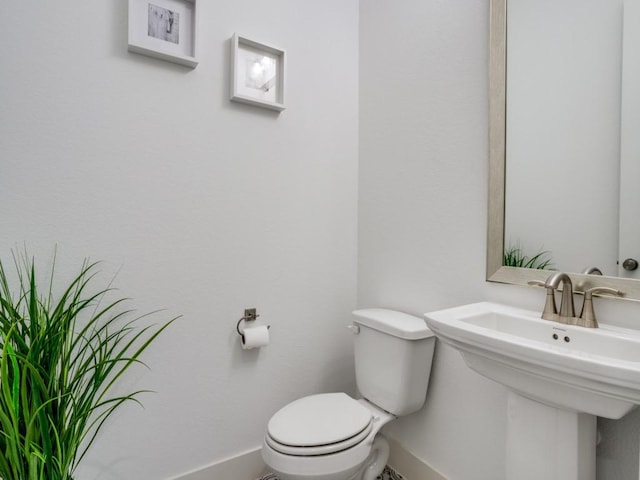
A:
[257,74]
[164,29]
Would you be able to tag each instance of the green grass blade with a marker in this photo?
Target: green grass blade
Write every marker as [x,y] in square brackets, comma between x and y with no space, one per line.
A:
[60,359]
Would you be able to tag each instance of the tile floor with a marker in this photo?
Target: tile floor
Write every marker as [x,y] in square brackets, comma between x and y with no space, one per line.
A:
[387,474]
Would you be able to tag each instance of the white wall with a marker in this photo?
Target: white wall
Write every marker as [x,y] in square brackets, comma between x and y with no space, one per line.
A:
[422,231]
[207,206]
[423,174]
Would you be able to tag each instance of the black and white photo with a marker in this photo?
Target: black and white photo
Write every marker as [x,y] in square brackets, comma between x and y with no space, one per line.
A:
[257,73]
[164,24]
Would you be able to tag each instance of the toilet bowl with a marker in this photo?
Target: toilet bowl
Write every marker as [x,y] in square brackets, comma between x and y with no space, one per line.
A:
[332,436]
[326,437]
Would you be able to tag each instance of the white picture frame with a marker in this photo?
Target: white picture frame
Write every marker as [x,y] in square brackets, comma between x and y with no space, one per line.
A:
[257,73]
[164,29]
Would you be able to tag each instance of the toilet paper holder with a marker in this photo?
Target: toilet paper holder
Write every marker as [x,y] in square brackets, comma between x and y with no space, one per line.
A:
[250,314]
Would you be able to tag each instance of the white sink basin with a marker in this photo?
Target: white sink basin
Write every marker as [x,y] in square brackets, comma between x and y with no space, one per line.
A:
[594,371]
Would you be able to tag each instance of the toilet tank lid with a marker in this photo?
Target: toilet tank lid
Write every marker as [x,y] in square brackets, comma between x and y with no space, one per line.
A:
[394,323]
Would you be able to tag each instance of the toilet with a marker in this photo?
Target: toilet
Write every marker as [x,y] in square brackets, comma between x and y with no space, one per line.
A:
[332,436]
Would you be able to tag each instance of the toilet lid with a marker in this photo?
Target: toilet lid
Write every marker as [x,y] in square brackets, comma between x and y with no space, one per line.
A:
[318,420]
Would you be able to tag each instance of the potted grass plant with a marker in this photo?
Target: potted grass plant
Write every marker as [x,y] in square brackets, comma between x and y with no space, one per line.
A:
[60,358]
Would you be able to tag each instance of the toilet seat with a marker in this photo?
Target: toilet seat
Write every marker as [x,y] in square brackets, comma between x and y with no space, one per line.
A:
[321,449]
[319,425]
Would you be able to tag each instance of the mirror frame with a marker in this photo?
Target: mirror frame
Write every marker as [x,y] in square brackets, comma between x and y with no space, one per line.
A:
[496,272]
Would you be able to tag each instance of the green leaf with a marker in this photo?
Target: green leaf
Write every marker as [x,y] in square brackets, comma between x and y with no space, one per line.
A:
[514,257]
[60,360]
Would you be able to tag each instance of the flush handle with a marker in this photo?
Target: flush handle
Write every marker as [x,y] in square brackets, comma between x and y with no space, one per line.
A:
[630,264]
[355,329]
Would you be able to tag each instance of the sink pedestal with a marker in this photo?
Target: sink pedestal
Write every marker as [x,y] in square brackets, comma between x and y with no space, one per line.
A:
[544,442]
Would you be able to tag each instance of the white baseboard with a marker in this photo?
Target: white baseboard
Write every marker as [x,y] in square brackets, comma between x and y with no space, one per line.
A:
[408,465]
[246,466]
[250,466]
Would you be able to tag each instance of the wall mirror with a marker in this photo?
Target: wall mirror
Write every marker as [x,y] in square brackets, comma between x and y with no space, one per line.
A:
[564,103]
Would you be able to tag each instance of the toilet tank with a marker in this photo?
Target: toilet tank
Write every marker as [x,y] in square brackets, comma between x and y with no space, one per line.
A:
[393,355]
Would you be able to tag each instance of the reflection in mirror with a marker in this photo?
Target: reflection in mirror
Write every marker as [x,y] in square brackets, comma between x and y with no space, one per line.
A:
[563,131]
[543,146]
[629,250]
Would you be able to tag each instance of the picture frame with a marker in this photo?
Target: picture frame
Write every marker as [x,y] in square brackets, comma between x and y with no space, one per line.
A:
[257,73]
[164,29]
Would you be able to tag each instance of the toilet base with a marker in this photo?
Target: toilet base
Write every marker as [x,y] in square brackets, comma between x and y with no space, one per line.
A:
[387,474]
[369,469]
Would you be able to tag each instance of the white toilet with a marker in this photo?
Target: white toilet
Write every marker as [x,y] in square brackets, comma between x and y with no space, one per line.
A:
[331,436]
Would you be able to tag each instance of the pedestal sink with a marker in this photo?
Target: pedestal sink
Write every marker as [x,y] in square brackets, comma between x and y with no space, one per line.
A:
[560,377]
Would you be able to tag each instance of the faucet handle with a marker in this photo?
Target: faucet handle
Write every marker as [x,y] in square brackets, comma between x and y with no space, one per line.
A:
[550,312]
[588,315]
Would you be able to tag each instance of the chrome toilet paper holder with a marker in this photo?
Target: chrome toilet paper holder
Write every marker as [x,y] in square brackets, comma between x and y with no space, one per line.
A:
[250,314]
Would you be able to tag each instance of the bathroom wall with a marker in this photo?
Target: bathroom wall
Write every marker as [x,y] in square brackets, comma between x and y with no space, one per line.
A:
[423,174]
[422,222]
[202,206]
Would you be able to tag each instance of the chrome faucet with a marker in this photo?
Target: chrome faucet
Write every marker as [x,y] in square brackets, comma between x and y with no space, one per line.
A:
[567,313]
